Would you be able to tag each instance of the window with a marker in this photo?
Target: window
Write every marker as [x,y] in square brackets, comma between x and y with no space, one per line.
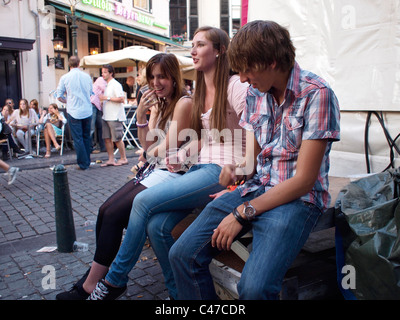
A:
[224,15]
[193,18]
[94,42]
[177,13]
[142,4]
[63,33]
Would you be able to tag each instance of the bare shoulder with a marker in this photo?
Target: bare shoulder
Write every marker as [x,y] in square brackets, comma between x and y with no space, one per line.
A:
[184,104]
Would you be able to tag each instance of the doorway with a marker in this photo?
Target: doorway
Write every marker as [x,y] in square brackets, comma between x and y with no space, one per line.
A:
[10,79]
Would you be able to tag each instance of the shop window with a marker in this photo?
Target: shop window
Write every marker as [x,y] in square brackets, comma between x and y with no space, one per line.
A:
[142,4]
[94,42]
[63,33]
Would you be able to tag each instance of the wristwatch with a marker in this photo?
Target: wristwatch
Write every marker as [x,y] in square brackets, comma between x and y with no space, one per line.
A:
[108,98]
[249,211]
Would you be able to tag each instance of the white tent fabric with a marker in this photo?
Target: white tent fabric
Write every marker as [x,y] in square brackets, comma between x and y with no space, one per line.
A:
[130,56]
[353,44]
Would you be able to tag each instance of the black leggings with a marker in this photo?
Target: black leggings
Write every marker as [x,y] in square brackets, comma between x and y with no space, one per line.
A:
[112,219]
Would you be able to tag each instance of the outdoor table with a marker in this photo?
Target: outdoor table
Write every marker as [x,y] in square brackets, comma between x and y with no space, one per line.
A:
[127,126]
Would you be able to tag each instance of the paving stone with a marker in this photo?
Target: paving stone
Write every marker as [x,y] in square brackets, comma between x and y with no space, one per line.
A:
[27,223]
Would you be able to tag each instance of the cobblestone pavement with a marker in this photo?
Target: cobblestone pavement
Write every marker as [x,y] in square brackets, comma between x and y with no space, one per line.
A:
[27,224]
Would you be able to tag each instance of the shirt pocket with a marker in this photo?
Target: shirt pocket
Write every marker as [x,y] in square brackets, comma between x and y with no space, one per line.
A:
[262,127]
[293,133]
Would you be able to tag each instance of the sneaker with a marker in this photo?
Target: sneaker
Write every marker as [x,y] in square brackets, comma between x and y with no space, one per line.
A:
[103,291]
[12,175]
[76,292]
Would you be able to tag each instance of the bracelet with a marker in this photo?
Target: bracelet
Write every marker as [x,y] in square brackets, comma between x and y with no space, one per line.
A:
[142,125]
[239,218]
[144,154]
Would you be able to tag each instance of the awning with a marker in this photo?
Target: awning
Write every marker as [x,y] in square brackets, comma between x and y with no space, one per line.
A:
[130,55]
[16,44]
[118,26]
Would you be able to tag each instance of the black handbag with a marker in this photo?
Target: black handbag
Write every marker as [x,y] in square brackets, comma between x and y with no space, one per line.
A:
[5,129]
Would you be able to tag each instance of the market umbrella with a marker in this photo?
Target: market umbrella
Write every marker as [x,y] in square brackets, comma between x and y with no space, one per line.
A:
[130,56]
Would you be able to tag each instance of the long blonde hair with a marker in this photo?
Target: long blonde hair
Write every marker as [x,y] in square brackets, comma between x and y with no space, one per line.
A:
[220,40]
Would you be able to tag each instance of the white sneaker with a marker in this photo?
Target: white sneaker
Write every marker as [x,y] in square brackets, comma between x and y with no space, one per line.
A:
[12,175]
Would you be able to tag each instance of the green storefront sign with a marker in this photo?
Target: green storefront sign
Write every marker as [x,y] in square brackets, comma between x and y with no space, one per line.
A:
[121,11]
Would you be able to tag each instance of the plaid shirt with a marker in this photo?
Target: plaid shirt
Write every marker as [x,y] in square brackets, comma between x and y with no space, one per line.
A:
[310,112]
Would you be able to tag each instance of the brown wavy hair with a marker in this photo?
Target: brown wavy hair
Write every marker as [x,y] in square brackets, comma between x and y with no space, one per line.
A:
[259,44]
[169,66]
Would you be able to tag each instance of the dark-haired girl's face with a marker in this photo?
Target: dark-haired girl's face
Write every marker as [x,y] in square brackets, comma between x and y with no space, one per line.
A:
[163,86]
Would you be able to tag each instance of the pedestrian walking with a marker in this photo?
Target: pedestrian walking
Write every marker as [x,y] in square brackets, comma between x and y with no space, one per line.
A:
[75,89]
[11,171]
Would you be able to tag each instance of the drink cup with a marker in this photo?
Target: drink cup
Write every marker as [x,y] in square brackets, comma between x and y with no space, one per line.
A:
[153,98]
[144,88]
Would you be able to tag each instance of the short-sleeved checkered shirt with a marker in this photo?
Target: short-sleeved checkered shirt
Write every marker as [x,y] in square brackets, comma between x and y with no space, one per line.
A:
[310,112]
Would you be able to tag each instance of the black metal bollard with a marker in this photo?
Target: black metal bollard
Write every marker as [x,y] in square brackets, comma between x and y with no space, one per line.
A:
[65,229]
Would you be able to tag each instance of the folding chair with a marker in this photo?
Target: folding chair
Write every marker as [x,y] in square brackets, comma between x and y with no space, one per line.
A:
[6,142]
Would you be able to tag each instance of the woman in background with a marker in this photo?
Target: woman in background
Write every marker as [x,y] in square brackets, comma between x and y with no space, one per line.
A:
[53,120]
[22,120]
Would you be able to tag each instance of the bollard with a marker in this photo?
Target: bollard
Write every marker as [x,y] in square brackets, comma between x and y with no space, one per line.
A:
[65,229]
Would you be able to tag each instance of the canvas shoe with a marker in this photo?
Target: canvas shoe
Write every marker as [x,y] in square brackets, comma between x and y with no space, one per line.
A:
[12,174]
[103,291]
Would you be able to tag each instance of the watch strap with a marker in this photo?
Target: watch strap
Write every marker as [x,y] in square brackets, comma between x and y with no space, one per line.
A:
[239,218]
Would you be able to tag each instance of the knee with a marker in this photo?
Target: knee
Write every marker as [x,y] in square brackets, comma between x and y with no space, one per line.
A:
[178,255]
[20,134]
[156,229]
[140,205]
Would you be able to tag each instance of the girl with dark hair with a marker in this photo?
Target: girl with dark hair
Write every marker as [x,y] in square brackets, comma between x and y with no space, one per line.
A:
[166,83]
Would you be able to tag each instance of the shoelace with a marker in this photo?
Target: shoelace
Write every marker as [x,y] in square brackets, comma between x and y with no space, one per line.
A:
[99,292]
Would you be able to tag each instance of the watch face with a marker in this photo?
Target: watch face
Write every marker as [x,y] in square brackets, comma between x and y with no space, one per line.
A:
[249,212]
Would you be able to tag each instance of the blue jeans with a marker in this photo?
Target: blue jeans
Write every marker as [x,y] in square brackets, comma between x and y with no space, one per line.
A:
[80,131]
[97,125]
[278,236]
[177,197]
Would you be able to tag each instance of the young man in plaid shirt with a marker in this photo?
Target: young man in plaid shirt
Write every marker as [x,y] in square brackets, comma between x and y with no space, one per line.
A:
[294,117]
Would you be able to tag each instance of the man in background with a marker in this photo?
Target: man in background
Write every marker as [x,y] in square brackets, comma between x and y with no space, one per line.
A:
[113,116]
[75,89]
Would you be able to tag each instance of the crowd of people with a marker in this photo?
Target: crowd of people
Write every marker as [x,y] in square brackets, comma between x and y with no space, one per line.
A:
[256,121]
